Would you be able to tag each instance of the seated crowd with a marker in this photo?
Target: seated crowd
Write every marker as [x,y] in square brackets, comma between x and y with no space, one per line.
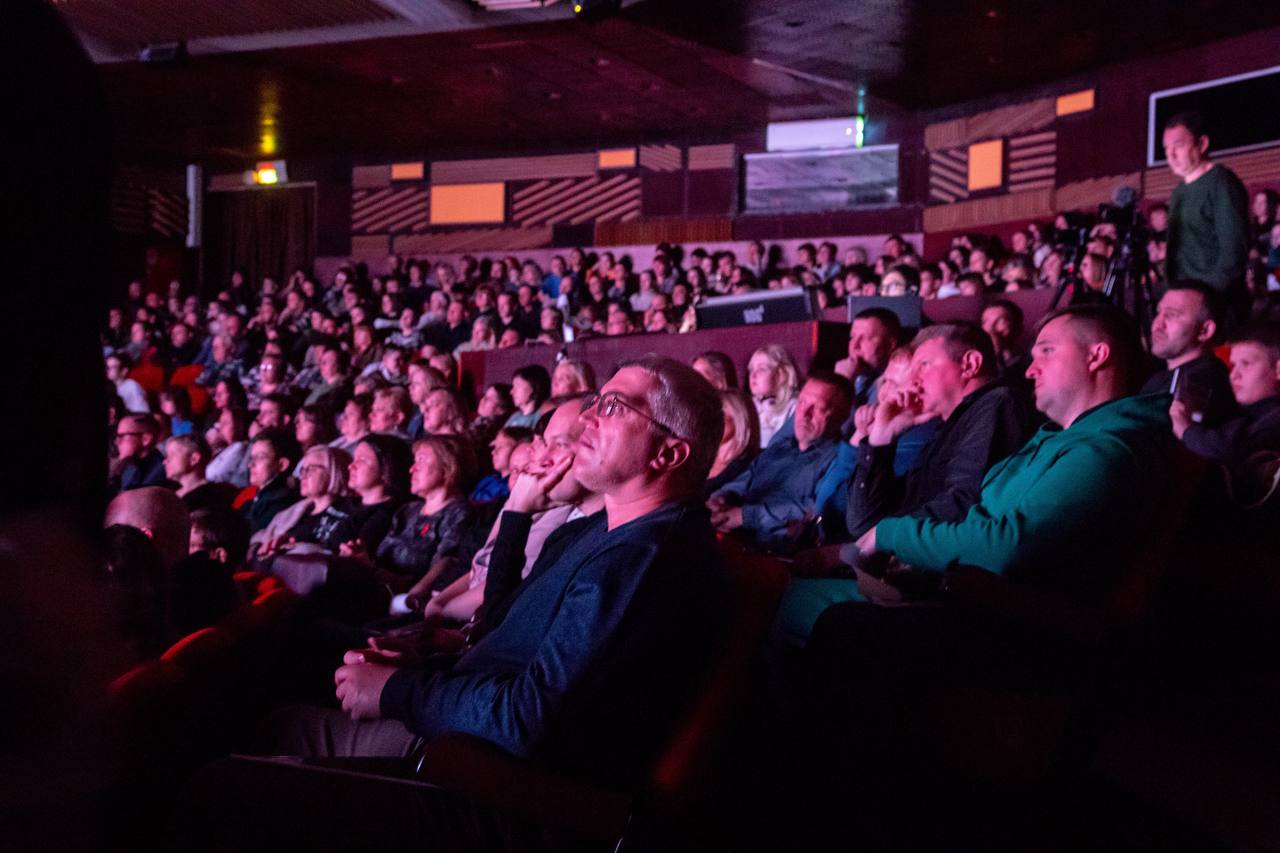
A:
[514,565]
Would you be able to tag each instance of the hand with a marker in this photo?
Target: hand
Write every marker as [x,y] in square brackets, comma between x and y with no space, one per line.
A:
[862,420]
[847,367]
[355,550]
[717,504]
[1180,417]
[359,685]
[531,492]
[894,415]
[728,519]
[866,544]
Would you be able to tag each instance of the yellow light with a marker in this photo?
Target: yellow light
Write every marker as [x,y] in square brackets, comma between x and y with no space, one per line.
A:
[577,8]
[268,142]
[267,176]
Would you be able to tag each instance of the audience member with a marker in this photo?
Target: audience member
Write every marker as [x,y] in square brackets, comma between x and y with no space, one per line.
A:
[530,387]
[774,384]
[873,335]
[1182,335]
[272,455]
[140,461]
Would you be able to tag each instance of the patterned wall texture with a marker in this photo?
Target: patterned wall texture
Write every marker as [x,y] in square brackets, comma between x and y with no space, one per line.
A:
[389,210]
[948,175]
[138,208]
[1032,161]
[577,201]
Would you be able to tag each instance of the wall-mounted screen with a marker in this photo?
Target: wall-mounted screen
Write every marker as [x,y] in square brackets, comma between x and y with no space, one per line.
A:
[806,181]
[1239,112]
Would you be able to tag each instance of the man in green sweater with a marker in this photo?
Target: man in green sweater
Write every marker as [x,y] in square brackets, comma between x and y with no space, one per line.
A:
[1051,515]
[1061,517]
[1208,215]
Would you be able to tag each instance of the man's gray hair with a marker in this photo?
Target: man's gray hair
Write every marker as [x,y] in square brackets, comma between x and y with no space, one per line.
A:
[685,403]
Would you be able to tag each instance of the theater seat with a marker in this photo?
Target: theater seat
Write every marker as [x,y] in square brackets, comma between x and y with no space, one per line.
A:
[686,771]
[149,376]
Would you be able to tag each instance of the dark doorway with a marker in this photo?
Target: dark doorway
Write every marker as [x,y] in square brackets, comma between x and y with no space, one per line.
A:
[263,232]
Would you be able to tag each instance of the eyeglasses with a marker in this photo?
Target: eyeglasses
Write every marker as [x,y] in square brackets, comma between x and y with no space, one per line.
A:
[611,405]
[121,435]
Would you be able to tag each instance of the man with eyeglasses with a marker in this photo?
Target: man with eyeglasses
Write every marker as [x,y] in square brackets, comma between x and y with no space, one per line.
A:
[601,645]
[141,463]
[272,456]
[769,500]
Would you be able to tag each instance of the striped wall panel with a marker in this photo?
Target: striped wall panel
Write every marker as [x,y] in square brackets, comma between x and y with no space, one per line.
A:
[474,240]
[707,157]
[1011,120]
[575,202]
[128,208]
[948,175]
[1033,161]
[514,168]
[989,211]
[661,158]
[389,210]
[993,124]
[167,213]
[1082,195]
[664,231]
[1252,166]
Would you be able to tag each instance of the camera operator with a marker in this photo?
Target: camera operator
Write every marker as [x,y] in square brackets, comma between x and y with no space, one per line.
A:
[1208,216]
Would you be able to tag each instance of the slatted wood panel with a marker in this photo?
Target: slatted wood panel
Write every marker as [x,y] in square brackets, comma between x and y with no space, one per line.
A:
[949,175]
[661,158]
[1252,167]
[128,208]
[989,211]
[1006,121]
[573,202]
[664,231]
[389,210]
[167,212]
[474,240]
[706,157]
[1087,195]
[1033,161]
[513,168]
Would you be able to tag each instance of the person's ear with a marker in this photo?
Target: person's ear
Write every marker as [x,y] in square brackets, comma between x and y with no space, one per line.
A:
[673,453]
[1207,330]
[283,464]
[1203,145]
[1098,356]
[970,363]
[219,554]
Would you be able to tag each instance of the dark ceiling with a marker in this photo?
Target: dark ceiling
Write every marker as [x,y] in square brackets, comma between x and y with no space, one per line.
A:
[660,69]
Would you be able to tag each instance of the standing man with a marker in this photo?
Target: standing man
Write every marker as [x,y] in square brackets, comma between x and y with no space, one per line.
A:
[1208,215]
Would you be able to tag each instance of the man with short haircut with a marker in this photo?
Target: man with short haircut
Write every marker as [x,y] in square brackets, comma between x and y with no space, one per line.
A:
[601,644]
[1051,514]
[872,336]
[275,411]
[141,463]
[954,378]
[1255,383]
[1059,518]
[272,455]
[185,460]
[1208,215]
[1182,335]
[159,514]
[780,488]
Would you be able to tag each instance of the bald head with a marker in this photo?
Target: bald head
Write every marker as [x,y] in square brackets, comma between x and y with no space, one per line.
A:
[157,512]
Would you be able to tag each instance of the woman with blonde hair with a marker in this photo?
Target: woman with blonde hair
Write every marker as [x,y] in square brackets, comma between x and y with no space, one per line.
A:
[740,442]
[572,376]
[321,519]
[774,383]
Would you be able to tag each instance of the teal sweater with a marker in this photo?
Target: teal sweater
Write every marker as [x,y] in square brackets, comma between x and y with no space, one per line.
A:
[1209,229]
[1058,512]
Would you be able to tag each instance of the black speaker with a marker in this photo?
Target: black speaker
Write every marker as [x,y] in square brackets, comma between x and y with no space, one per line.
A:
[790,305]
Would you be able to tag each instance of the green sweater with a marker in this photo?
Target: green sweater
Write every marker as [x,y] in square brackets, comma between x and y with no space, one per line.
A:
[1209,229]
[1056,513]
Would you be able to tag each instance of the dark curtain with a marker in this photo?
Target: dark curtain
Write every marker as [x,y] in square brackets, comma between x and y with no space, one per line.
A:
[263,232]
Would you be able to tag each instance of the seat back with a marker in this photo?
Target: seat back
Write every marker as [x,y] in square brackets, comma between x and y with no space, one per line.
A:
[756,584]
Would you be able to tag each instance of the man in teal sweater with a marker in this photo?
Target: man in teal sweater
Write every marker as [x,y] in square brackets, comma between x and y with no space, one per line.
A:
[1051,515]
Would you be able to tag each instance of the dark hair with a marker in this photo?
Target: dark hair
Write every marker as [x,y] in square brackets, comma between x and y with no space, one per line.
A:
[288,406]
[364,402]
[721,364]
[538,378]
[322,416]
[974,277]
[195,443]
[1213,309]
[834,380]
[1103,322]
[223,527]
[958,338]
[394,461]
[519,435]
[1017,320]
[1191,120]
[887,318]
[283,443]
[456,456]
[181,399]
[123,357]
[239,422]
[1265,335]
[239,399]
